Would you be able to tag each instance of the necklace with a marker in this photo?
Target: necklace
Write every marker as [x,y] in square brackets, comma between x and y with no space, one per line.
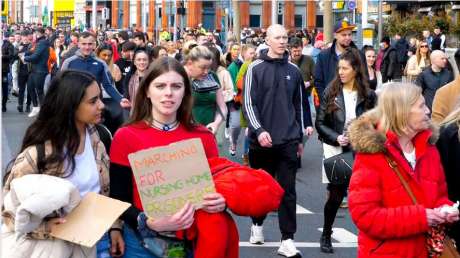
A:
[164,126]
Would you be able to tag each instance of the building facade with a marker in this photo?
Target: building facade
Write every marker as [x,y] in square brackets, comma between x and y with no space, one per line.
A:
[155,15]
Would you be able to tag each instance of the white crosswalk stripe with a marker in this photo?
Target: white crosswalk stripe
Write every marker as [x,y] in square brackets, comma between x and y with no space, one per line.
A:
[300,245]
[302,210]
[345,239]
[342,235]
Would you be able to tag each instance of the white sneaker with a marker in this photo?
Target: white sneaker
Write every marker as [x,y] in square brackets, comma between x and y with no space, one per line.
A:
[257,235]
[288,249]
[34,112]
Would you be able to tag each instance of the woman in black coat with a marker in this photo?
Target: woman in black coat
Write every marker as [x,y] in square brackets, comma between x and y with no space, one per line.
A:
[345,98]
[449,150]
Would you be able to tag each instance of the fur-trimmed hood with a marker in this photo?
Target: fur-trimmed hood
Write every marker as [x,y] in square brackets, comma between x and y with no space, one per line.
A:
[366,138]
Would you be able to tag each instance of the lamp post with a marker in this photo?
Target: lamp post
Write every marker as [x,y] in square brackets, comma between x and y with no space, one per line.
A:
[94,13]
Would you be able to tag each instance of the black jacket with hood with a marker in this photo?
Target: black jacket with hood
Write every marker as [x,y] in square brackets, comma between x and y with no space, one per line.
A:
[390,68]
[275,100]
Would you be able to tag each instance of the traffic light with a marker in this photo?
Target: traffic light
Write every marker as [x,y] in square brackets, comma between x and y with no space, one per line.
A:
[280,7]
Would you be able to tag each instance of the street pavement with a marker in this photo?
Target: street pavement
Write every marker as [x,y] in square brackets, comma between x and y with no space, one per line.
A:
[311,195]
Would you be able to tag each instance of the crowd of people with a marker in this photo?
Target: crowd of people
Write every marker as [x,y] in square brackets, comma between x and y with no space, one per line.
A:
[98,97]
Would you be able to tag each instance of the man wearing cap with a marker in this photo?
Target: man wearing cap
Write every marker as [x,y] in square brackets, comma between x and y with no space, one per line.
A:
[327,60]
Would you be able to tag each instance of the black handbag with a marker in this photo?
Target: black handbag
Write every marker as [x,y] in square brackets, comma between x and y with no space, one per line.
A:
[338,168]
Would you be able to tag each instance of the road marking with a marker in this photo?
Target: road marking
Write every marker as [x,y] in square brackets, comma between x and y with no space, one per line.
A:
[342,235]
[302,210]
[300,244]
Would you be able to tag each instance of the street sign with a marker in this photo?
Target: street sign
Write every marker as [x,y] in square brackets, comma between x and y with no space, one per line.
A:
[351,4]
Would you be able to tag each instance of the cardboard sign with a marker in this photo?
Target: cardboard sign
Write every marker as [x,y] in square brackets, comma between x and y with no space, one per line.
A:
[168,177]
[88,222]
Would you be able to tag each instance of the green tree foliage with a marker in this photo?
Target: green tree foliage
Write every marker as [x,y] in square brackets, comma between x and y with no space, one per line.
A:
[415,24]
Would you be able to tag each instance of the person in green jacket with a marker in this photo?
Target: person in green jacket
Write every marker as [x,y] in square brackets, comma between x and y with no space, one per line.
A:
[248,52]
[209,107]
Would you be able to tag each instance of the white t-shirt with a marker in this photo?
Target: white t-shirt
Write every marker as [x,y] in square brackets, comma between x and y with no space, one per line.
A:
[410,157]
[350,98]
[307,50]
[85,175]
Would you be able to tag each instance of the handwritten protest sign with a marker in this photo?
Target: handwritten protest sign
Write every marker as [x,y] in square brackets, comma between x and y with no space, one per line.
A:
[168,177]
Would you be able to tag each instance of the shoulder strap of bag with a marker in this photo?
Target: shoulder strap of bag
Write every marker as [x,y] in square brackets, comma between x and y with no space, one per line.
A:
[40,157]
[394,166]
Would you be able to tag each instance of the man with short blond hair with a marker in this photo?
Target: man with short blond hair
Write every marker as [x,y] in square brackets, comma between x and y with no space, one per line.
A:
[278,116]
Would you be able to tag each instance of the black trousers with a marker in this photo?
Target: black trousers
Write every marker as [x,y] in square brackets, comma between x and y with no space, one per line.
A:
[281,163]
[35,86]
[336,195]
[22,83]
[4,89]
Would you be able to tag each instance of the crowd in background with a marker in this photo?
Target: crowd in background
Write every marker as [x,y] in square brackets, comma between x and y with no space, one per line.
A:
[339,82]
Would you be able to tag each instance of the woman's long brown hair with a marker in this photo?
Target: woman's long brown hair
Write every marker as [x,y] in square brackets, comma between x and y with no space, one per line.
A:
[143,107]
[353,57]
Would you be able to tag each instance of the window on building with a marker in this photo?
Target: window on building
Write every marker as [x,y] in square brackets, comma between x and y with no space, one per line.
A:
[298,21]
[254,21]
[319,21]
[208,4]
[280,19]
[171,20]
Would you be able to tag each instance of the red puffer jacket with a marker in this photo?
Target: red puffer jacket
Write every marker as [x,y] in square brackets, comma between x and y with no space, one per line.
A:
[389,224]
[247,191]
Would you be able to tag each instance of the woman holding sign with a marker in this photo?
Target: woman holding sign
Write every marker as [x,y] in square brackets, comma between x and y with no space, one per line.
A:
[162,115]
[63,142]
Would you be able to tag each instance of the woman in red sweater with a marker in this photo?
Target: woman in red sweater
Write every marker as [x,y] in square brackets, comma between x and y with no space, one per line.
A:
[162,115]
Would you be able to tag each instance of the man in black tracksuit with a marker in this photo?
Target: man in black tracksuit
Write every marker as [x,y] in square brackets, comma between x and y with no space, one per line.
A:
[278,114]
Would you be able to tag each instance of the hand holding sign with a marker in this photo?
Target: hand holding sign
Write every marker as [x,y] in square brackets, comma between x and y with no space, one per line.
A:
[183,219]
[214,203]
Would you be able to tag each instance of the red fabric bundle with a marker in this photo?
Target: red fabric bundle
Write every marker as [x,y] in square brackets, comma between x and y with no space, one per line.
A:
[247,191]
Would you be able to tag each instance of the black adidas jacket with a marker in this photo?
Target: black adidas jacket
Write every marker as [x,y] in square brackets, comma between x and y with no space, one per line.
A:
[275,100]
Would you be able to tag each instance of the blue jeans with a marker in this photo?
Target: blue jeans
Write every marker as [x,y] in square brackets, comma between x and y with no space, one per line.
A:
[133,247]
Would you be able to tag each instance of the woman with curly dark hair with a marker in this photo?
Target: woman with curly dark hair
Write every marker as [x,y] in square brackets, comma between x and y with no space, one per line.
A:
[345,98]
